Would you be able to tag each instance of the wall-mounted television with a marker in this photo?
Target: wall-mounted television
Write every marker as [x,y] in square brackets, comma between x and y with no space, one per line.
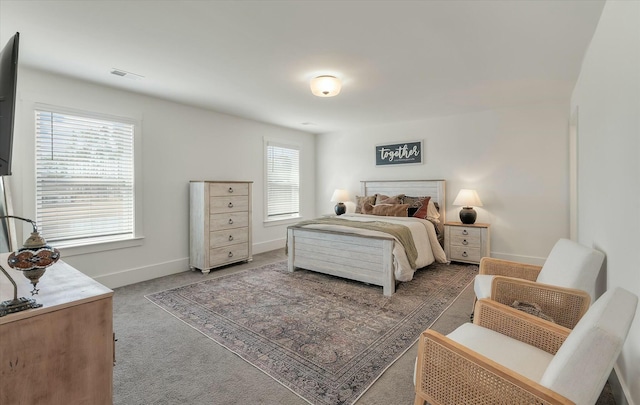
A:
[8,81]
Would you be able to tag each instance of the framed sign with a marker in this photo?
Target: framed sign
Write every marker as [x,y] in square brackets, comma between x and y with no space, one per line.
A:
[399,153]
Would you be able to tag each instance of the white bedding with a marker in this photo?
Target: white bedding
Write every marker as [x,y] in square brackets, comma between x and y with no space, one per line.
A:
[424,237]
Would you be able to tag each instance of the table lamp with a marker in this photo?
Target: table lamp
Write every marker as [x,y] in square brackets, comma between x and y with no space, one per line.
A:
[468,199]
[33,260]
[340,196]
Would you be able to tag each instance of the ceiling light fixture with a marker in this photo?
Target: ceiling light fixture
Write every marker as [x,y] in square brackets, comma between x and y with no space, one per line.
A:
[325,86]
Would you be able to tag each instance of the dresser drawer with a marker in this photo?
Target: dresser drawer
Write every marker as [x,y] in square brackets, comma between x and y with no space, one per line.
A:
[465,232]
[228,189]
[229,254]
[463,253]
[218,222]
[228,237]
[234,203]
[465,241]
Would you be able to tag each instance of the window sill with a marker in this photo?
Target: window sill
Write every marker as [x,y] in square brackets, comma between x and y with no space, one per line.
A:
[103,246]
[282,221]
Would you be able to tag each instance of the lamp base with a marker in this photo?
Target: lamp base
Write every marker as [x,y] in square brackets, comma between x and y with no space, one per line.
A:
[340,208]
[17,305]
[468,215]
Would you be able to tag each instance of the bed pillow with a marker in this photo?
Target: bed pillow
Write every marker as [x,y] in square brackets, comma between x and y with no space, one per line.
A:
[385,199]
[386,210]
[423,207]
[361,200]
[433,212]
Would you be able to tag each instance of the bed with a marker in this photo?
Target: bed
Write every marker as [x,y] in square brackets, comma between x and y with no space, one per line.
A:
[367,255]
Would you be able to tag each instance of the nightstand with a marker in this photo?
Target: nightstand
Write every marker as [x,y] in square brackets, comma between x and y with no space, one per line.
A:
[466,243]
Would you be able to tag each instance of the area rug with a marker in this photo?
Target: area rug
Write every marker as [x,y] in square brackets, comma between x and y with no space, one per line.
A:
[325,338]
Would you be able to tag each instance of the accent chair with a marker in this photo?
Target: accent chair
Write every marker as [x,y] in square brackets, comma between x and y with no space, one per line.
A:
[508,356]
[562,288]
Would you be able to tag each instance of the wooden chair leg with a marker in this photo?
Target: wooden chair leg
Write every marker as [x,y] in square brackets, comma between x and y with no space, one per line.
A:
[418,400]
[473,309]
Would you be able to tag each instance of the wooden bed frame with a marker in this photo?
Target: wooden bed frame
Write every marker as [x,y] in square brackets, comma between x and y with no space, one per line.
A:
[368,259]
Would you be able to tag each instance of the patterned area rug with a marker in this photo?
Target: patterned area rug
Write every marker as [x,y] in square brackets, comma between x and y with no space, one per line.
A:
[325,338]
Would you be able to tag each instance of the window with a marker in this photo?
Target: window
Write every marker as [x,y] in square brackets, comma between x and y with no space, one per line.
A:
[84,177]
[283,181]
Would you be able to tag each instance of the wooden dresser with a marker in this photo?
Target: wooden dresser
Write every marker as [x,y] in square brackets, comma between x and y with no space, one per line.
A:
[62,352]
[220,223]
[467,243]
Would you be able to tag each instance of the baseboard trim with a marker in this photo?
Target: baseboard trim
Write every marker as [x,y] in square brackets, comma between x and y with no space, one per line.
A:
[619,388]
[144,273]
[268,246]
[138,274]
[539,261]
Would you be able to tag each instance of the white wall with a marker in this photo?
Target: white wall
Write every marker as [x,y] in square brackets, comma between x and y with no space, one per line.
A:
[515,158]
[180,143]
[607,96]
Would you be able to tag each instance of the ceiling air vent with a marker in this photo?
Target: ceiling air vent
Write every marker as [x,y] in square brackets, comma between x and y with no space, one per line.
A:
[124,73]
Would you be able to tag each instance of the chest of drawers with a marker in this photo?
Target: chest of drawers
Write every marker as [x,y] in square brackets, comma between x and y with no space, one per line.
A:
[220,223]
[466,243]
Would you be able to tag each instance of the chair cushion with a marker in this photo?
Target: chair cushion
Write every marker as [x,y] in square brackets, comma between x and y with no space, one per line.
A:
[522,358]
[572,265]
[583,363]
[482,285]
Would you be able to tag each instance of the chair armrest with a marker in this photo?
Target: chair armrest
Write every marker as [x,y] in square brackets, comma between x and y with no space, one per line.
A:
[499,267]
[519,325]
[565,305]
[450,373]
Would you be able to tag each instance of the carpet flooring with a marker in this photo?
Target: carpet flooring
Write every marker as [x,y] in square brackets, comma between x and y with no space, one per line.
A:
[325,338]
[160,360]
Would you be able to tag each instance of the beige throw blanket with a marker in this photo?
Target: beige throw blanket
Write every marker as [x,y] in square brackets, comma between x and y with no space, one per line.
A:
[400,232]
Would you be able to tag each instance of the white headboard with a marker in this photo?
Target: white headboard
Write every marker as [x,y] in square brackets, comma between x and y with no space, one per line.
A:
[415,188]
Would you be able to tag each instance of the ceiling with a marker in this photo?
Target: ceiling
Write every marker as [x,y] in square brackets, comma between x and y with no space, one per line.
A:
[398,60]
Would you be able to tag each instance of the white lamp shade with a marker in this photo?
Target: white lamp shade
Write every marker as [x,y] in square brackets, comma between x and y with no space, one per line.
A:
[325,86]
[468,198]
[340,196]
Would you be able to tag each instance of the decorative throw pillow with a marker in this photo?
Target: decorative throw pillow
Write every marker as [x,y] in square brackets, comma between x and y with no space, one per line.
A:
[531,308]
[425,208]
[386,210]
[385,199]
[361,200]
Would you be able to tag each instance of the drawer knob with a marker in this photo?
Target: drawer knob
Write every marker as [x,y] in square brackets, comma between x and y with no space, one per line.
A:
[230,254]
[230,221]
[230,237]
[464,254]
[464,232]
[230,189]
[464,242]
[230,205]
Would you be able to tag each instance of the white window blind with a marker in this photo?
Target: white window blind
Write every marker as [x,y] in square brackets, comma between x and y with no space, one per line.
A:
[283,181]
[84,178]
